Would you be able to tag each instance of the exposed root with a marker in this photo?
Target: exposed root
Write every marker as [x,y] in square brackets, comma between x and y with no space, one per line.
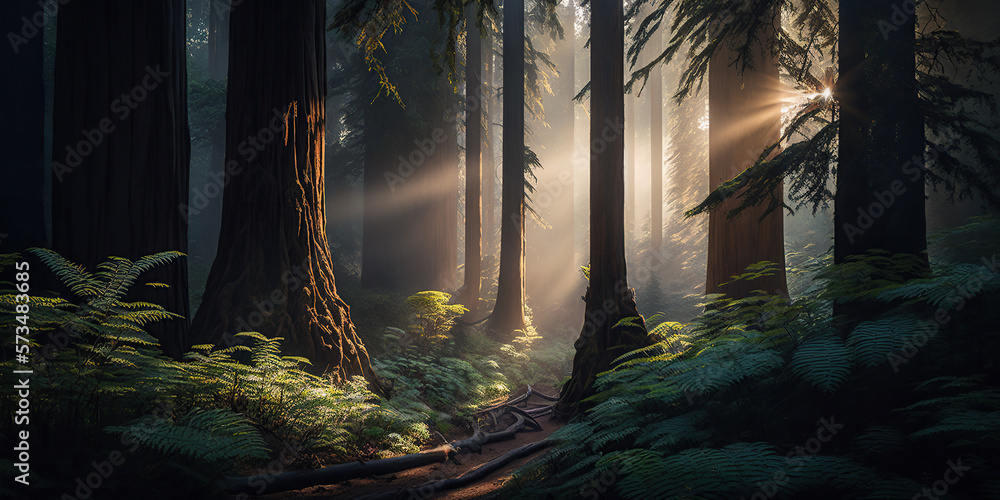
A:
[297,480]
[479,473]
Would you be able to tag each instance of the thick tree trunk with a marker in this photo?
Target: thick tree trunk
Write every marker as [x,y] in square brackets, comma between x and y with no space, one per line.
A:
[744,118]
[879,201]
[121,145]
[609,298]
[274,272]
[473,163]
[22,131]
[508,313]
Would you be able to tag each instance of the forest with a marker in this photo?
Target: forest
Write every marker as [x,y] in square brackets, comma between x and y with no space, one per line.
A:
[544,249]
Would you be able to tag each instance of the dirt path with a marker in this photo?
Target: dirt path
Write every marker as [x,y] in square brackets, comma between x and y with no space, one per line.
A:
[415,478]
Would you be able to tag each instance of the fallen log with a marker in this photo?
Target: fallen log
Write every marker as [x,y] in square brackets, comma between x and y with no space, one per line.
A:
[481,472]
[296,480]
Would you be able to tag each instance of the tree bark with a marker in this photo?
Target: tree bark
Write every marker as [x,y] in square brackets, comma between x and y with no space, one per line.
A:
[473,163]
[22,131]
[609,298]
[744,119]
[879,201]
[508,313]
[121,144]
[273,272]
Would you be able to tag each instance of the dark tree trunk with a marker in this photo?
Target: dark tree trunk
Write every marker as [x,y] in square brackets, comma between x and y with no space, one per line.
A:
[609,298]
[274,272]
[218,37]
[22,131]
[735,142]
[473,163]
[508,313]
[121,145]
[879,201]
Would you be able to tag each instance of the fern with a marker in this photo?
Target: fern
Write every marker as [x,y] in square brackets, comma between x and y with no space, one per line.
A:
[824,362]
[213,435]
[873,341]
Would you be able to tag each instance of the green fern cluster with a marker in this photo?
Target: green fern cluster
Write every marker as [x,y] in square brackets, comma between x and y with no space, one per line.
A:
[730,405]
[101,382]
[301,410]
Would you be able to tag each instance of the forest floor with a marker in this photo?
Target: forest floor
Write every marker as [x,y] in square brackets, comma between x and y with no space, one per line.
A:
[420,476]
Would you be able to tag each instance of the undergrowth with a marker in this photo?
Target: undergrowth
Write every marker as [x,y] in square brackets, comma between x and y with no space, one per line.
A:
[101,383]
[764,397]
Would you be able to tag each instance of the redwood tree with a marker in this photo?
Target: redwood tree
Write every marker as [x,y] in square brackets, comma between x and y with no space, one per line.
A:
[473,162]
[609,298]
[508,313]
[879,201]
[121,145]
[744,119]
[273,272]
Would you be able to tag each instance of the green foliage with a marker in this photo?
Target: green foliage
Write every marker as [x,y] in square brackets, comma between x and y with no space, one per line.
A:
[212,435]
[101,374]
[721,406]
[433,316]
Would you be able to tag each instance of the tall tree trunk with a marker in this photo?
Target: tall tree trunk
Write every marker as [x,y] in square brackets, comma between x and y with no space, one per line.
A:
[274,272]
[218,37]
[609,298]
[656,152]
[473,162]
[508,313]
[120,179]
[744,118]
[879,201]
[23,129]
